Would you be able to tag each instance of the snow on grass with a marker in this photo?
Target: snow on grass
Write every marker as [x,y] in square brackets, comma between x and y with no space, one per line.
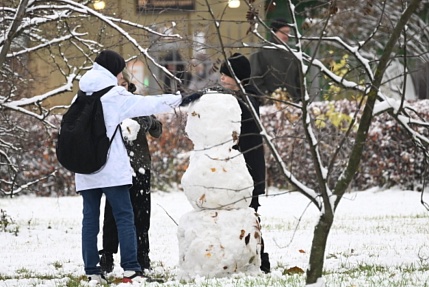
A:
[379,238]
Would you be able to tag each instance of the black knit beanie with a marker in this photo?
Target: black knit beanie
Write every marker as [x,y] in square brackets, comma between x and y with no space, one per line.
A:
[279,23]
[112,61]
[240,66]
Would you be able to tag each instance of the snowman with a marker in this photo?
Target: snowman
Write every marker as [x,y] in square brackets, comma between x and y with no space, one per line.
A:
[221,236]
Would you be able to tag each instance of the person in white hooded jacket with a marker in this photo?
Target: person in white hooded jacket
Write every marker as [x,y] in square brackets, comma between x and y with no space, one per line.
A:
[115,178]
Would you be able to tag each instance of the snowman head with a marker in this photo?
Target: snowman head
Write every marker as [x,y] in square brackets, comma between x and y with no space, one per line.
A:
[214,120]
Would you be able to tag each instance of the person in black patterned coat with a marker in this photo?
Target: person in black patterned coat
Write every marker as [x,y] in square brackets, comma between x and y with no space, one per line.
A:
[139,154]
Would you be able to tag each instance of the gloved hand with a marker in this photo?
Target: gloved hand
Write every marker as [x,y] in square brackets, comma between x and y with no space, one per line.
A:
[146,123]
[132,88]
[187,99]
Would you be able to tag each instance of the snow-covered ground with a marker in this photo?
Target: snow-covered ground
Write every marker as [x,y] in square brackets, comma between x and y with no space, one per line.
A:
[389,229]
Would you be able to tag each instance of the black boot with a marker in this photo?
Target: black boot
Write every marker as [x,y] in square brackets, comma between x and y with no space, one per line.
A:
[265,263]
[265,259]
[106,261]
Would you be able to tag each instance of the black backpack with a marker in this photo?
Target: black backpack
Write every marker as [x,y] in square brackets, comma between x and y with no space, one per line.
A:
[83,145]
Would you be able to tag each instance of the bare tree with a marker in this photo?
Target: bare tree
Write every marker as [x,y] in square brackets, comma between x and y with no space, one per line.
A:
[372,63]
[53,34]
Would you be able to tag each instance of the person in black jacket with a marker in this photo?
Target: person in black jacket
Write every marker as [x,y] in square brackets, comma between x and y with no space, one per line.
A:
[138,152]
[250,141]
[276,68]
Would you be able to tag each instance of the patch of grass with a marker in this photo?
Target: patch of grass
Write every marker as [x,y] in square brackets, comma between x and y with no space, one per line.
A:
[4,277]
[22,271]
[363,276]
[57,265]
[7,224]
[376,275]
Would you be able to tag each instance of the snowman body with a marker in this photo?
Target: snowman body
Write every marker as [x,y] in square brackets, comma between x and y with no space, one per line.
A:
[221,235]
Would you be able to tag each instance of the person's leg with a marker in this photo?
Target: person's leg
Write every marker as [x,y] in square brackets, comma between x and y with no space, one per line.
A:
[110,240]
[119,199]
[90,228]
[140,198]
[265,259]
[110,232]
[254,203]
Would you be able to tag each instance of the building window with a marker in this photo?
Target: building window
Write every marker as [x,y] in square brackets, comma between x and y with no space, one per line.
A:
[173,5]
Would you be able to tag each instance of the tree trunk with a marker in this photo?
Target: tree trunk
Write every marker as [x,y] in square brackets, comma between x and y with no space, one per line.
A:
[318,247]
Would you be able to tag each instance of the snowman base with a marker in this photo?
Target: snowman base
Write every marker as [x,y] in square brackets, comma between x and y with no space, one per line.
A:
[218,243]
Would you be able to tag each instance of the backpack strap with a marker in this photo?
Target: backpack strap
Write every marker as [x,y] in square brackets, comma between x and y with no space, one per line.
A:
[100,93]
[118,127]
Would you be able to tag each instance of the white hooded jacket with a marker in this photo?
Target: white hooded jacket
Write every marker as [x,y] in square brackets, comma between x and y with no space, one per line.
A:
[118,105]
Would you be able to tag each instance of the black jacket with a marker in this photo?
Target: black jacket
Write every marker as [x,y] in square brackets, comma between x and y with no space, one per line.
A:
[276,68]
[138,150]
[250,140]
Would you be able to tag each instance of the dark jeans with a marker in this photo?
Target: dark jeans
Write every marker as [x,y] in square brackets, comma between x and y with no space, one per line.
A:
[121,204]
[140,199]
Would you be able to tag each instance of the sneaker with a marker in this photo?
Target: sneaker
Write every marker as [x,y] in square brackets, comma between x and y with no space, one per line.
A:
[134,276]
[106,261]
[97,278]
